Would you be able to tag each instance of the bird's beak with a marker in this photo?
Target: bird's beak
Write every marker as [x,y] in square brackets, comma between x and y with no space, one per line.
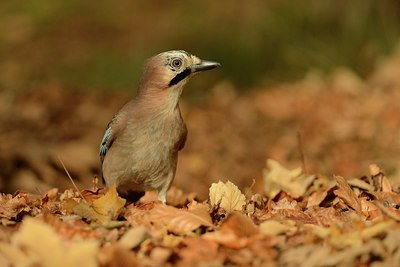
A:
[205,65]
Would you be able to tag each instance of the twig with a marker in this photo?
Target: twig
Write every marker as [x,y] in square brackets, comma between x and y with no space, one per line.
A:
[72,180]
[301,152]
[248,189]
[38,190]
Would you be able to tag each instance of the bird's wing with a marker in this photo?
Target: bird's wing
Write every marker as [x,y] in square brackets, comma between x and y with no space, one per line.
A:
[111,133]
[105,143]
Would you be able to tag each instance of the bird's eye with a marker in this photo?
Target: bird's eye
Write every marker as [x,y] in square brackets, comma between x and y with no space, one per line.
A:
[176,63]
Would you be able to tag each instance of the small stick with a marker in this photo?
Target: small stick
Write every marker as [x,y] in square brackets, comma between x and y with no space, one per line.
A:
[301,152]
[72,180]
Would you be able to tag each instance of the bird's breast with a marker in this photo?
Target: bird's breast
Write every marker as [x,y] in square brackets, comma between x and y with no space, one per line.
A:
[151,148]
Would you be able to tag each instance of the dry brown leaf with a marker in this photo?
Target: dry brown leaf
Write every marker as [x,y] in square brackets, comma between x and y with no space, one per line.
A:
[240,224]
[200,209]
[37,244]
[391,240]
[381,182]
[160,255]
[103,209]
[179,221]
[198,249]
[110,204]
[341,241]
[171,240]
[277,178]
[115,256]
[360,184]
[10,205]
[276,228]
[345,193]
[227,195]
[376,229]
[370,209]
[227,238]
[304,256]
[133,237]
[336,238]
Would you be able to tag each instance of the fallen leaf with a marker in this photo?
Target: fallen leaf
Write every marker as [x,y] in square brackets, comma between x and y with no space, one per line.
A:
[37,244]
[345,193]
[360,184]
[86,211]
[304,256]
[376,229]
[341,241]
[276,228]
[380,180]
[277,178]
[316,198]
[103,209]
[240,224]
[370,209]
[110,204]
[227,195]
[160,255]
[171,240]
[179,221]
[115,256]
[198,249]
[227,238]
[133,237]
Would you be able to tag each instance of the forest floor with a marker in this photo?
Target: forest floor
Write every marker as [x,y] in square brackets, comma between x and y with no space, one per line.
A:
[298,174]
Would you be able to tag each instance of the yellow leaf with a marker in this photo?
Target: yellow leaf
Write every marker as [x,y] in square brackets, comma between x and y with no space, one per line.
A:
[104,209]
[276,228]
[377,229]
[352,239]
[39,245]
[133,237]
[227,195]
[86,211]
[277,178]
[110,204]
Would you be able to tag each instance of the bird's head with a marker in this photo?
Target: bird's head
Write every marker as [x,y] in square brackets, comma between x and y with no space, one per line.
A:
[167,72]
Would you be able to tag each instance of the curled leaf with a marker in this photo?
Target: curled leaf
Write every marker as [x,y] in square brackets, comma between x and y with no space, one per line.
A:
[345,193]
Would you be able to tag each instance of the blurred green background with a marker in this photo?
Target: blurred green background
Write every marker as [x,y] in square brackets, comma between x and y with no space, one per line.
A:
[103,44]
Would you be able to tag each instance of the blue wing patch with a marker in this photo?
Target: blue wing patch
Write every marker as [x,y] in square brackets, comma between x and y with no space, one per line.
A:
[103,145]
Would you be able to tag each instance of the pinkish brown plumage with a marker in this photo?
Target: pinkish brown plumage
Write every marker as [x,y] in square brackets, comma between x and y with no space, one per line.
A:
[139,150]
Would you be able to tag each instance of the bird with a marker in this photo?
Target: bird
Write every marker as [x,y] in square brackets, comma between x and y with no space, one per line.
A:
[140,146]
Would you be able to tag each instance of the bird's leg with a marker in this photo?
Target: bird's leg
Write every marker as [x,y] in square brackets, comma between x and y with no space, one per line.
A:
[162,193]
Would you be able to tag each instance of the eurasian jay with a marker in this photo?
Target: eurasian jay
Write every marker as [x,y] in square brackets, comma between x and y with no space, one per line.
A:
[139,150]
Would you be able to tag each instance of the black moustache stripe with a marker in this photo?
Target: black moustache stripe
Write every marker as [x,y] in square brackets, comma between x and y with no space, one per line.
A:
[180,76]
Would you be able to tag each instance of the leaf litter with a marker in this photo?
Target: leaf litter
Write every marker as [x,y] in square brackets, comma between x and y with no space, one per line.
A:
[354,222]
[296,218]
